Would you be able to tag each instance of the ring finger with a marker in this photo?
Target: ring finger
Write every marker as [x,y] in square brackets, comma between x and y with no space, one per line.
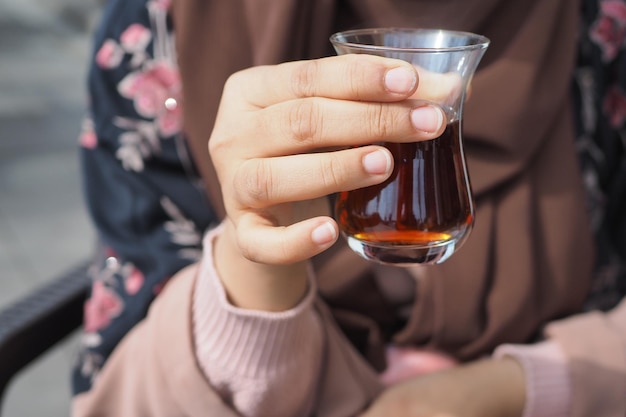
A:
[263,182]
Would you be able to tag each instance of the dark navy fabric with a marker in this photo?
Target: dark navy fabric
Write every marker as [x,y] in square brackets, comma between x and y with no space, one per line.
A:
[142,190]
[600,107]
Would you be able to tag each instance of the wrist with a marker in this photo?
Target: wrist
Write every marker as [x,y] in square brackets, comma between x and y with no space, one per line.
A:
[496,385]
[514,383]
[548,386]
[252,285]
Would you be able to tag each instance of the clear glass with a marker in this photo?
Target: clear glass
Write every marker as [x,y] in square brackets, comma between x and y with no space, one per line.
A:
[425,211]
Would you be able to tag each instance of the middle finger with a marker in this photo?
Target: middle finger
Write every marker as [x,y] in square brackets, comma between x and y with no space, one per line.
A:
[307,124]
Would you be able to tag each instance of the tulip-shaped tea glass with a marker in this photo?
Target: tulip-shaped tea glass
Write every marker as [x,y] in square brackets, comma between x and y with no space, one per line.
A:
[424,211]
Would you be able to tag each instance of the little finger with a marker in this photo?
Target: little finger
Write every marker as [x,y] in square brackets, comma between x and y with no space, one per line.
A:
[261,241]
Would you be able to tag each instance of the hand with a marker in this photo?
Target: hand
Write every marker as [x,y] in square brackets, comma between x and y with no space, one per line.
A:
[273,123]
[287,135]
[407,362]
[487,388]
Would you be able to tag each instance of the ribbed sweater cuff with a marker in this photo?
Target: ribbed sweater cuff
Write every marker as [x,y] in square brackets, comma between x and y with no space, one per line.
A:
[244,343]
[548,382]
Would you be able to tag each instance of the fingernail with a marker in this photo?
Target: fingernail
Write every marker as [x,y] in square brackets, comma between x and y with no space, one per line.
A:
[377,162]
[400,80]
[323,234]
[427,119]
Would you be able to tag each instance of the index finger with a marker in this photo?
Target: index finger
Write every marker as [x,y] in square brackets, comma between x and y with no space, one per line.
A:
[347,77]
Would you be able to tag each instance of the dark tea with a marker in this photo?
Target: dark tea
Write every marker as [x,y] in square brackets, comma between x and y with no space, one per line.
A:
[424,211]
[421,213]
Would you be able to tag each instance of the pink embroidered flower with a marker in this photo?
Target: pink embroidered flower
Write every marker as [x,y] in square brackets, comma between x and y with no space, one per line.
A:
[88,138]
[109,251]
[609,29]
[134,282]
[615,106]
[101,307]
[109,55]
[169,121]
[156,93]
[135,38]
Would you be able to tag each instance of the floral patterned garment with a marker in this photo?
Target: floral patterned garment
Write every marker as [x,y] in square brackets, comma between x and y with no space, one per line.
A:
[600,104]
[143,192]
[146,198]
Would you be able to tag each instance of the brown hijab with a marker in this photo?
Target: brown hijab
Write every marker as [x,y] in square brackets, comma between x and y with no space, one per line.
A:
[529,258]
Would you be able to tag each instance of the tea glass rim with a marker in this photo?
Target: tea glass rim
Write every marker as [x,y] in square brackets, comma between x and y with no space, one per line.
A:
[481,42]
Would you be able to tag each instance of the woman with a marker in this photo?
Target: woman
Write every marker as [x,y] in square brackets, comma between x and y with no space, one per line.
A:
[527,262]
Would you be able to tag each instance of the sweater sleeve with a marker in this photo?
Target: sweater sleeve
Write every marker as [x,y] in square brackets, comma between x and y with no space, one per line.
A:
[252,358]
[548,382]
[595,346]
[580,370]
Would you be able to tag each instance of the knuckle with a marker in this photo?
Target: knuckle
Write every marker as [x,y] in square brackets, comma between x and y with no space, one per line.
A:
[248,250]
[217,144]
[233,82]
[354,76]
[286,251]
[303,79]
[255,244]
[304,121]
[223,143]
[332,172]
[253,185]
[381,121]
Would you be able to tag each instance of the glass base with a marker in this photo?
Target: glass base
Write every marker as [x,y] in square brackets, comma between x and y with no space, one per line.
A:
[403,255]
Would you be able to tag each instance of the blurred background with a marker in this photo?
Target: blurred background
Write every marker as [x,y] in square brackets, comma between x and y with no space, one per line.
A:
[44,229]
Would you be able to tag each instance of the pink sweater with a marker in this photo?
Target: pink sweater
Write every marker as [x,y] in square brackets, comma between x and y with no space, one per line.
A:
[253,357]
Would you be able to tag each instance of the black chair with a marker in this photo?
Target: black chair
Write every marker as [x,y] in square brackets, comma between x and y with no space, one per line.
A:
[40,320]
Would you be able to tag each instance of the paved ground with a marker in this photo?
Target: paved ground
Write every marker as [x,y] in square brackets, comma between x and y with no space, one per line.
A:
[43,226]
